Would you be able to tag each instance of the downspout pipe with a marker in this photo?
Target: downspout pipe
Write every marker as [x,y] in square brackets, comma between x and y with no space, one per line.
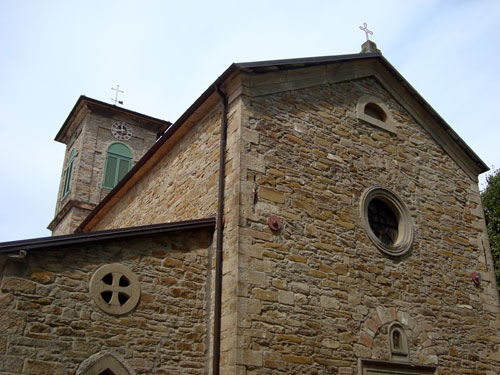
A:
[220,225]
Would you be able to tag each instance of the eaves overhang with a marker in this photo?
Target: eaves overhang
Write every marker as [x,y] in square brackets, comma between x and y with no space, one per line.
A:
[105,235]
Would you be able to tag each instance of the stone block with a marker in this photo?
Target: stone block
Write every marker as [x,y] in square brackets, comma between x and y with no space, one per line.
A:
[14,284]
[249,357]
[272,195]
[265,295]
[285,297]
[329,302]
[40,276]
[11,365]
[257,278]
[33,367]
[297,359]
[12,322]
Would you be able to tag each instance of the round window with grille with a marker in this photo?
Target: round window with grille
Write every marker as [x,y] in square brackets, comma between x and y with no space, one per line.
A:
[115,289]
[386,220]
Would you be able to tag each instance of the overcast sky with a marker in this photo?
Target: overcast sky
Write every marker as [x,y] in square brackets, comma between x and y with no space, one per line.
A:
[164,54]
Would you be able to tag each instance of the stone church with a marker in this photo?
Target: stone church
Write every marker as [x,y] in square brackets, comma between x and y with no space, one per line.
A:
[303,216]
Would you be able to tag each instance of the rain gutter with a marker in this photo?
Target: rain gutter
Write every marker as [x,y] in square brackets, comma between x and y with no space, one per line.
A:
[219,231]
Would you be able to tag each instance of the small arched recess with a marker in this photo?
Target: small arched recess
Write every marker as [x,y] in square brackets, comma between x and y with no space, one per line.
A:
[373,111]
[398,342]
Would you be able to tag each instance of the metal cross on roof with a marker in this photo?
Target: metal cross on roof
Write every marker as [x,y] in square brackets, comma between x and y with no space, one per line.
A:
[365,29]
[116,96]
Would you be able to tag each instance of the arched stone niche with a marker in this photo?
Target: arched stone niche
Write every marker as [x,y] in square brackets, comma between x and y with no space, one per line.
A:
[418,337]
[104,363]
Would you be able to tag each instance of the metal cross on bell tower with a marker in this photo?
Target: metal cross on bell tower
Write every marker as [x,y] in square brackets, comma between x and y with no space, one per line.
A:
[365,29]
[116,96]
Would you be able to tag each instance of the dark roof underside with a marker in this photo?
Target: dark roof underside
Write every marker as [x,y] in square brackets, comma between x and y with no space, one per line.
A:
[105,235]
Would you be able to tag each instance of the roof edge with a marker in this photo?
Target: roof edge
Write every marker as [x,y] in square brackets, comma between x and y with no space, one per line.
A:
[306,60]
[110,234]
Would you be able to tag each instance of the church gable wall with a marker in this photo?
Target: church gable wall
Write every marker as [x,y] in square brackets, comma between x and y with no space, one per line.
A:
[181,186]
[52,325]
[317,294]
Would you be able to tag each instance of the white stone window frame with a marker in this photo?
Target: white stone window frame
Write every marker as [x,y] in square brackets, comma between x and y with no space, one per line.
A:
[389,123]
[405,234]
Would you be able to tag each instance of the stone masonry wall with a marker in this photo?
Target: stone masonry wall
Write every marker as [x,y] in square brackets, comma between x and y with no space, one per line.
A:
[50,325]
[317,295]
[181,186]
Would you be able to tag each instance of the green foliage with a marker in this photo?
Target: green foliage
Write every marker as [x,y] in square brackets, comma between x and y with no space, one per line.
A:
[491,204]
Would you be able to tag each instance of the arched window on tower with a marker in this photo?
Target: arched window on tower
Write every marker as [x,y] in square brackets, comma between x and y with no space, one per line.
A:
[68,172]
[118,163]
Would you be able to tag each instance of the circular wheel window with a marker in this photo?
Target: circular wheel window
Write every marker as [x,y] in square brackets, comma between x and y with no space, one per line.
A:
[386,220]
[115,289]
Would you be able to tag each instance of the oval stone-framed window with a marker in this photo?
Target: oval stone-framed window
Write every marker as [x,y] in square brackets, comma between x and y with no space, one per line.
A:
[386,220]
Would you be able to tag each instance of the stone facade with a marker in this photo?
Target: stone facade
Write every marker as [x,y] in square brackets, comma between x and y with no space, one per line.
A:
[51,325]
[316,296]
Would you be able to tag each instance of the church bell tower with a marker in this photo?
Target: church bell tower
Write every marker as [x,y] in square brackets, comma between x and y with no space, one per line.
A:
[103,142]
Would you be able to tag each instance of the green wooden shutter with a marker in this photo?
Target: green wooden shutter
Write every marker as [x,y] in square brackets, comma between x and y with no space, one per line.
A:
[68,173]
[123,169]
[110,172]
